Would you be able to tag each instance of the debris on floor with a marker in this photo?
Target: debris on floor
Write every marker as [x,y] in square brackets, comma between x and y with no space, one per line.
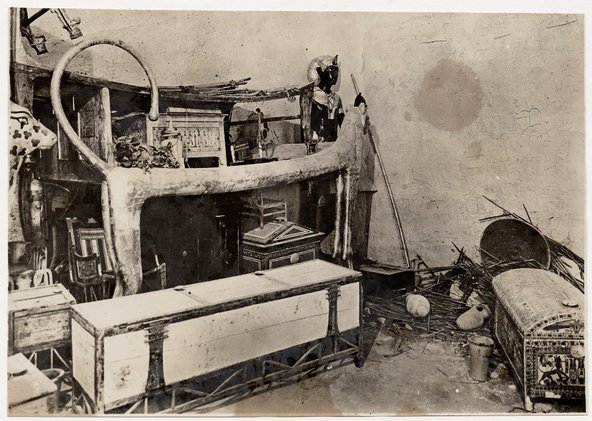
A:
[455,304]
[465,287]
[440,323]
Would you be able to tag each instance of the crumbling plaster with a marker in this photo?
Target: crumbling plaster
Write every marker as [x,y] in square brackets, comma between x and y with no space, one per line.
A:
[506,119]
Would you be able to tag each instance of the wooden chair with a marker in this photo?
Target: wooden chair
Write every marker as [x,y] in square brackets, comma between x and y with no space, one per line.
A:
[91,270]
[89,278]
[89,239]
[42,276]
[39,257]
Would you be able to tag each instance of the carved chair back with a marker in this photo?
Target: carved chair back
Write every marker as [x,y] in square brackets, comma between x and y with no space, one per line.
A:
[90,266]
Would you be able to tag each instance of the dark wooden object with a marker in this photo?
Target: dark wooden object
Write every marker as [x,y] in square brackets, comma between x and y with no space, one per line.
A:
[384,280]
[293,244]
[305,109]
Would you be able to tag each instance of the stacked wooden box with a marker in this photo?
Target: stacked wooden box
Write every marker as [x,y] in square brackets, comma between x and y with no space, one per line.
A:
[39,318]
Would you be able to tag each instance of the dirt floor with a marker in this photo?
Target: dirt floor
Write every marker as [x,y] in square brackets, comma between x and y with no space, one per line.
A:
[414,376]
[425,377]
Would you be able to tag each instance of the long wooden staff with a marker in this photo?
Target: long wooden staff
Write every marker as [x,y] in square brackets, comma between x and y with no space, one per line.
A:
[388,186]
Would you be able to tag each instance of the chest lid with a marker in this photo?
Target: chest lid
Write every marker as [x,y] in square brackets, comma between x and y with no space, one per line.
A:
[539,300]
[311,272]
[280,232]
[132,309]
[40,297]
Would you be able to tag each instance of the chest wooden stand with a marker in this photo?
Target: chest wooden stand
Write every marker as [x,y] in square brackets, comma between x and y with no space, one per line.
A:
[196,344]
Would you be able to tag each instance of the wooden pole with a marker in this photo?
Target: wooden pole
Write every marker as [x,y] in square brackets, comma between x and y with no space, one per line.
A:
[388,187]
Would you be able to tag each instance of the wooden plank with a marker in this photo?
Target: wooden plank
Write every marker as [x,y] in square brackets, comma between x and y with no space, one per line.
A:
[45,73]
[104,128]
[95,125]
[311,272]
[265,119]
[54,299]
[23,90]
[83,364]
[348,307]
[26,382]
[305,110]
[51,295]
[70,178]
[126,365]
[164,94]
[205,344]
[21,295]
[41,328]
[234,288]
[108,313]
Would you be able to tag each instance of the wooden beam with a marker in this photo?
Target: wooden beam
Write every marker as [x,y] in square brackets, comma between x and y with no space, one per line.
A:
[266,119]
[165,93]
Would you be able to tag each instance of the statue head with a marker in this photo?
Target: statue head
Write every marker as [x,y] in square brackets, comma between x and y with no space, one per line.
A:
[323,71]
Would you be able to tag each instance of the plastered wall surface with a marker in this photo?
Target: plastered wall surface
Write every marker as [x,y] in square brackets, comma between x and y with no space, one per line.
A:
[472,105]
[462,105]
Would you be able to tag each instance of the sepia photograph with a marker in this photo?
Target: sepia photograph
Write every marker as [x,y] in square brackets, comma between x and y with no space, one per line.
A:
[300,210]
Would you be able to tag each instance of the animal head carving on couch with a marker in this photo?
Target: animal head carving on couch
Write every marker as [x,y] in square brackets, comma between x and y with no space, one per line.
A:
[25,135]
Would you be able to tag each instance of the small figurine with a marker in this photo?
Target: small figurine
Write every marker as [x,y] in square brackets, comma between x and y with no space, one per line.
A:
[327,110]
